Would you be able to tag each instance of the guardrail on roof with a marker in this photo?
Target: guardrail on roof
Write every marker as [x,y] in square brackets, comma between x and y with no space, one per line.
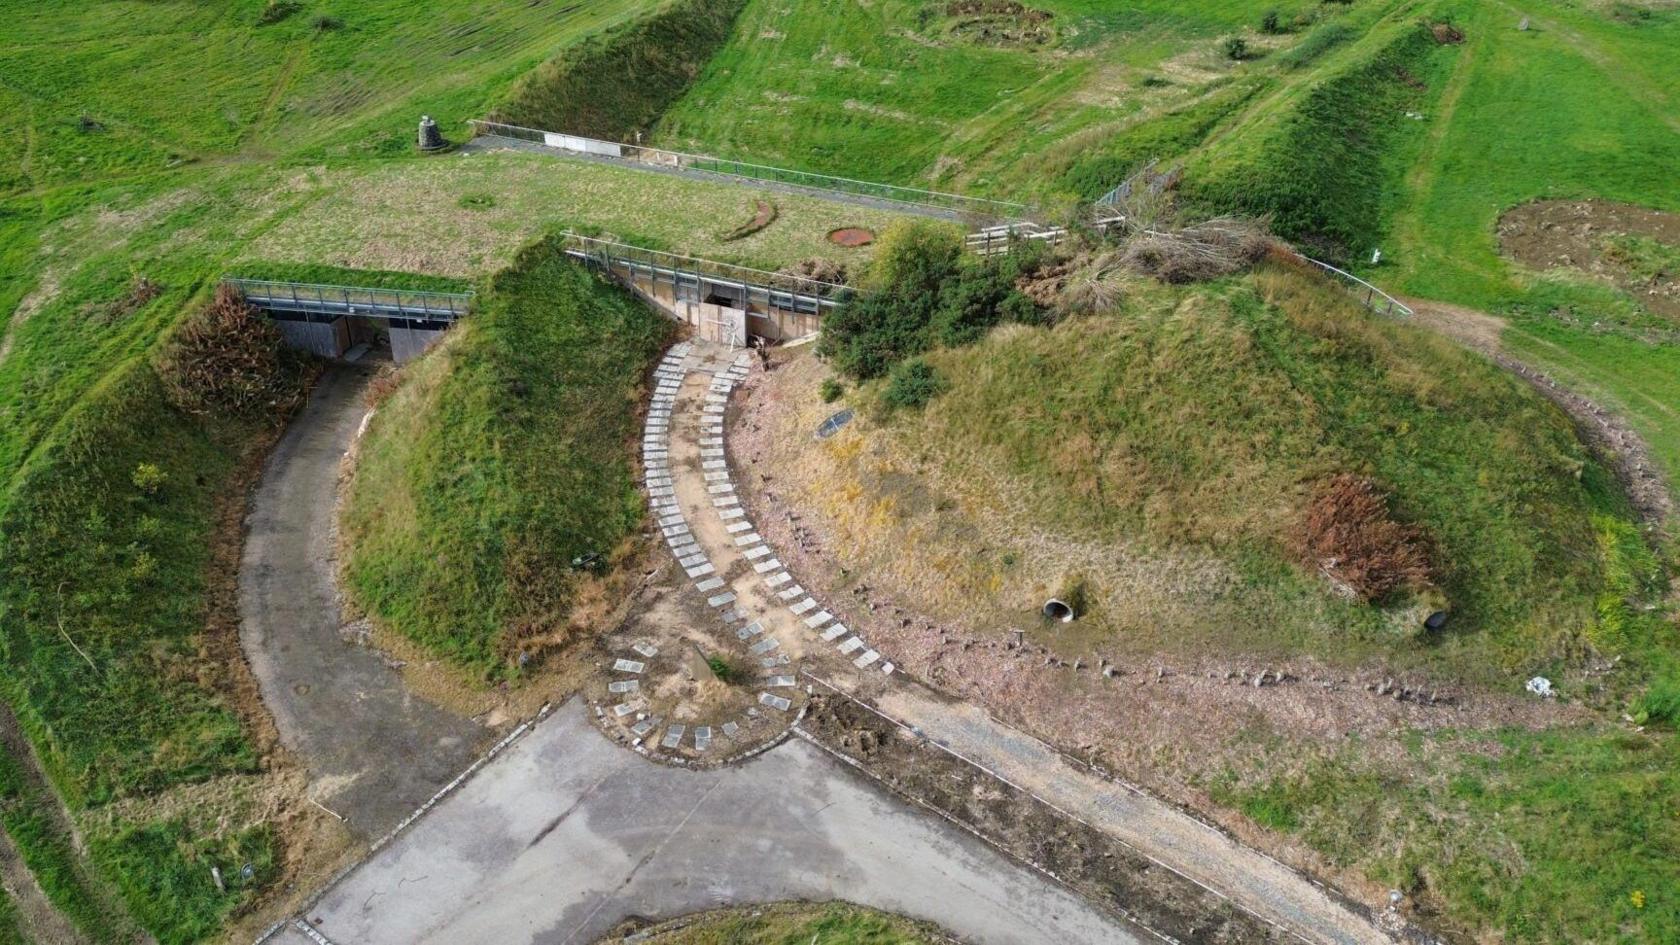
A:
[954,204]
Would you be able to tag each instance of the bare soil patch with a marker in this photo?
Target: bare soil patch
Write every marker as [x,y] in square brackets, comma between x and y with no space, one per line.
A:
[764,214]
[1602,239]
[851,236]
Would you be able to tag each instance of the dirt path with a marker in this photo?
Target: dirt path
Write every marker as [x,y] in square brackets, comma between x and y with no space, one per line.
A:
[41,922]
[1610,436]
[374,750]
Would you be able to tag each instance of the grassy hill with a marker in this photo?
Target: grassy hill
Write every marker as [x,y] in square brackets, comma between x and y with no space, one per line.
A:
[1158,462]
[908,92]
[499,459]
[122,87]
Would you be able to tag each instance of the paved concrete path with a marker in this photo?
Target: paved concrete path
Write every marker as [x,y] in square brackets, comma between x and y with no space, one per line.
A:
[374,751]
[565,835]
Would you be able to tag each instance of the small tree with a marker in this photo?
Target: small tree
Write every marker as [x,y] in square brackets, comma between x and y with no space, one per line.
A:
[1271,23]
[1236,48]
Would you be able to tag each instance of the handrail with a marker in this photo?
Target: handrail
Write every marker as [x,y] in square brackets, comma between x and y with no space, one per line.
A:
[1390,306]
[893,193]
[348,300]
[727,272]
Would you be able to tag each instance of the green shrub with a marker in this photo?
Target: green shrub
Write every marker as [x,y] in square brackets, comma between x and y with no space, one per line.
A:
[149,478]
[1271,23]
[912,384]
[277,10]
[925,292]
[831,390]
[1236,48]
[1660,703]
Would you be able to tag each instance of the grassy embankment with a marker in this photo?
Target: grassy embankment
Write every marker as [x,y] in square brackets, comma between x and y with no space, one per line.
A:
[120,685]
[795,924]
[500,458]
[898,91]
[1166,465]
[618,82]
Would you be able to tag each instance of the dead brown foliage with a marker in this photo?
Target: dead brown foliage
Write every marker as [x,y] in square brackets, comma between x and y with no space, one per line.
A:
[1447,34]
[227,359]
[1352,536]
[382,385]
[1207,250]
[821,270]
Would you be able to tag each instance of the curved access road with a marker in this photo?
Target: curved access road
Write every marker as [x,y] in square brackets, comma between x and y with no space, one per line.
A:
[374,751]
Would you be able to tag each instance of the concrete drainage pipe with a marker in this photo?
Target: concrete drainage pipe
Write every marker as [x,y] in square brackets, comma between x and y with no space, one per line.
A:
[1058,610]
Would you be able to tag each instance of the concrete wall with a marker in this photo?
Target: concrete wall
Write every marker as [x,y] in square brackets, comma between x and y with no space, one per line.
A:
[727,324]
[408,343]
[326,339]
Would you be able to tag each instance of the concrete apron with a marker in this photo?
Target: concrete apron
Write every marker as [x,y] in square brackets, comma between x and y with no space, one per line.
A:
[564,835]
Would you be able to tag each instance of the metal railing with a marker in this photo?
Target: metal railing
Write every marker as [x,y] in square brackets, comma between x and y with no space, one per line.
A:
[997,239]
[706,276]
[1374,298]
[954,204]
[334,300]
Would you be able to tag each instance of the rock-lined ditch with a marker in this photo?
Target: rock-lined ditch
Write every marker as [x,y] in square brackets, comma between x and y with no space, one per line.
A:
[1094,864]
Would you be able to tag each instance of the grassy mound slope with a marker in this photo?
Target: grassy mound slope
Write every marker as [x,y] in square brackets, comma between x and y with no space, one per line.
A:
[893,91]
[501,457]
[1325,171]
[619,82]
[1192,428]
[1160,457]
[112,670]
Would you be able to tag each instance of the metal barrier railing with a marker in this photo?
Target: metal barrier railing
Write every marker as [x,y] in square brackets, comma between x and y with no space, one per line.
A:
[957,204]
[315,299]
[1374,298]
[774,289]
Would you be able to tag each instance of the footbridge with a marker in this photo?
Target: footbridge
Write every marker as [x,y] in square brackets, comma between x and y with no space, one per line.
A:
[724,302]
[330,319]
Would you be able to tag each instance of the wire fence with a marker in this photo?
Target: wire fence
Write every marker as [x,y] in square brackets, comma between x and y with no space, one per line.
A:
[313,299]
[954,204]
